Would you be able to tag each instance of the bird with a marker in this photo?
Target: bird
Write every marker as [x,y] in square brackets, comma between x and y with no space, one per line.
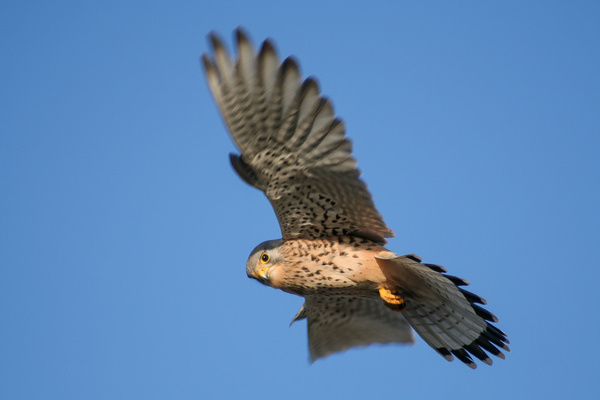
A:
[332,250]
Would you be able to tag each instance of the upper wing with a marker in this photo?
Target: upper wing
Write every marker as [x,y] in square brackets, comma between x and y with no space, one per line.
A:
[293,148]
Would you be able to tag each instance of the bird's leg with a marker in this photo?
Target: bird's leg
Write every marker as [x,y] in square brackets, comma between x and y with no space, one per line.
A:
[392,299]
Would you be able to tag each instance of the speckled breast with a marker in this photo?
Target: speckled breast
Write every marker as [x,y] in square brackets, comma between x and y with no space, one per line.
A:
[330,266]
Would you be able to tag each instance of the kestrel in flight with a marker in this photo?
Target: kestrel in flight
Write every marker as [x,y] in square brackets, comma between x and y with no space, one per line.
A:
[356,292]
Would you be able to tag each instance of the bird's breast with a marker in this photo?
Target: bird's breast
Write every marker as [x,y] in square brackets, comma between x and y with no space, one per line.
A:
[330,266]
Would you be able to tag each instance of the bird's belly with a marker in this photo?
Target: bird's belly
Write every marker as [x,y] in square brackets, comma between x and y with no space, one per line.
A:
[332,285]
[343,271]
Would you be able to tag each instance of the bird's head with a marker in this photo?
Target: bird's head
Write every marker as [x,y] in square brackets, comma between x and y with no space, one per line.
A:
[264,261]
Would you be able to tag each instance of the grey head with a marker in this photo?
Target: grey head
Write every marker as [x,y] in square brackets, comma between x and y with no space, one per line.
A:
[263,259]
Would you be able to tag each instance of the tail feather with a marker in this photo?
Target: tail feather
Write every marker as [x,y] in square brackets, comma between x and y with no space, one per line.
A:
[442,313]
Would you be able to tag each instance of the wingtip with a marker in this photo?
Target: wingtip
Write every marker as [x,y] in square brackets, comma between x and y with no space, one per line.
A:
[445,353]
[241,35]
[214,40]
[268,46]
[206,62]
[436,268]
[413,257]
[290,63]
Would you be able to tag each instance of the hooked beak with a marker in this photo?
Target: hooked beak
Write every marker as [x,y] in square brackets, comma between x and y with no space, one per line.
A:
[263,274]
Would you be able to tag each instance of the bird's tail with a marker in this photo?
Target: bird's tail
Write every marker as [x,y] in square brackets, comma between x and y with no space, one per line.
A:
[445,315]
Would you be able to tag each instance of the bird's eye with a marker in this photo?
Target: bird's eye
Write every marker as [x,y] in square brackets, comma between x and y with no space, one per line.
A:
[264,258]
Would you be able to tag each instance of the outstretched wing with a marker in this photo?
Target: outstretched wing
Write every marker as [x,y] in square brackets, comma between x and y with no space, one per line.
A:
[443,314]
[293,148]
[337,323]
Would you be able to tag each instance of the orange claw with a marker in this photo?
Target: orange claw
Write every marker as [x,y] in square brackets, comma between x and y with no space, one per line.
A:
[392,299]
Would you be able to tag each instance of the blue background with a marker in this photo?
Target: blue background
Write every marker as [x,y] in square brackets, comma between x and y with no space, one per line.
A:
[124,232]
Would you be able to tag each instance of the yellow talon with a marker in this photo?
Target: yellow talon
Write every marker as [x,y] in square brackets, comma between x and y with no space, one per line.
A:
[392,299]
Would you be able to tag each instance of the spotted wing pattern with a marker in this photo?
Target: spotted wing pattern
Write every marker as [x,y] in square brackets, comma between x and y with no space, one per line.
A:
[293,147]
[336,323]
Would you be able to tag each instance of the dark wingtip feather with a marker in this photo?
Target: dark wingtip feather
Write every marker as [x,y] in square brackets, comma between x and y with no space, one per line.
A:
[483,313]
[240,34]
[472,297]
[445,353]
[267,51]
[242,38]
[309,83]
[414,257]
[498,332]
[475,350]
[206,62]
[457,281]
[289,63]
[436,268]
[463,356]
[496,336]
[215,40]
[490,348]
[267,47]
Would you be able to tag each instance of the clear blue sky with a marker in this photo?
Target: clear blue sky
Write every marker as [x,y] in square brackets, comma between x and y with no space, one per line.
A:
[124,232]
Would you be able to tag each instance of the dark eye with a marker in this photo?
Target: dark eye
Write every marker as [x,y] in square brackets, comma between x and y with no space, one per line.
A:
[264,258]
